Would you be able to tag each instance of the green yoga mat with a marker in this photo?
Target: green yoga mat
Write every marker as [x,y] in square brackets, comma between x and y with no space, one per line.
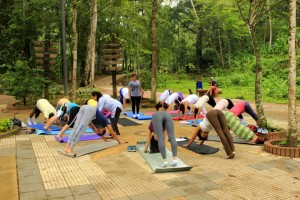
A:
[91,148]
[155,160]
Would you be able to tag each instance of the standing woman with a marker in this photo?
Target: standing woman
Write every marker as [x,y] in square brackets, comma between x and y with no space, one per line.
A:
[135,92]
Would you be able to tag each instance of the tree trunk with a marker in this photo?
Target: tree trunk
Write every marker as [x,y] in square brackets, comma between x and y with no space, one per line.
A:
[258,80]
[91,46]
[154,51]
[292,122]
[221,49]
[199,49]
[74,51]
[270,23]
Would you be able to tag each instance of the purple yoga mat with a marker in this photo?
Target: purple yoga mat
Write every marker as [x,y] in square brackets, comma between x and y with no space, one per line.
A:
[82,138]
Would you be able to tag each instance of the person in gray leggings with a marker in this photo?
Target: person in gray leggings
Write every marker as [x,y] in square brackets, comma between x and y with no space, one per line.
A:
[163,121]
[84,117]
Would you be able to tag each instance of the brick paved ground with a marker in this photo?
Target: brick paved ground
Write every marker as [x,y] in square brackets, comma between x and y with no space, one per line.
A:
[33,169]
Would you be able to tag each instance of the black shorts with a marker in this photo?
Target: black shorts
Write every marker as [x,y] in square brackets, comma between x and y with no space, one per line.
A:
[73,114]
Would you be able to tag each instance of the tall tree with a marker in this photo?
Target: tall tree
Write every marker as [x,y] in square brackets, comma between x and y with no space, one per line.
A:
[292,117]
[91,46]
[154,51]
[74,51]
[254,16]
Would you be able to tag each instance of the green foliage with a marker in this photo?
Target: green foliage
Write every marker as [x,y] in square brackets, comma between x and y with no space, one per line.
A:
[23,82]
[5,124]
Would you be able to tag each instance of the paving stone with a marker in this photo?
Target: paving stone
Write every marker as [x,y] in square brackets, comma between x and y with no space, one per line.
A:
[35,195]
[207,185]
[261,166]
[179,198]
[25,160]
[31,187]
[30,179]
[176,182]
[93,195]
[167,194]
[26,172]
[195,178]
[144,196]
[28,166]
[82,189]
[188,190]
[213,175]
[26,156]
[66,198]
[124,198]
[201,196]
[58,193]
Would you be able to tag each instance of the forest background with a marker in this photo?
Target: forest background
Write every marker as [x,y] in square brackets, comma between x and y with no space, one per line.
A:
[197,39]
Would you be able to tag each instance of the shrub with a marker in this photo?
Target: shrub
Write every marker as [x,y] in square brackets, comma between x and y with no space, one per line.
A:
[23,82]
[5,124]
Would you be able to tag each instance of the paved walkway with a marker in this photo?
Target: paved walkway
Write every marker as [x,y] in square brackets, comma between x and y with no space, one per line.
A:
[32,168]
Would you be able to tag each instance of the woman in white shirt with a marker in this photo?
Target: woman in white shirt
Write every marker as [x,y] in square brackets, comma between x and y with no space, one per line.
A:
[109,104]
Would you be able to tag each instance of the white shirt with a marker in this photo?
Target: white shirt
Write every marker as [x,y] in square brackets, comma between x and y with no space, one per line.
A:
[192,99]
[205,125]
[124,92]
[109,104]
[171,99]
[201,103]
[221,105]
[164,95]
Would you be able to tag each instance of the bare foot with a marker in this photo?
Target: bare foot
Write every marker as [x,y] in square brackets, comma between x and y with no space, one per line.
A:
[253,140]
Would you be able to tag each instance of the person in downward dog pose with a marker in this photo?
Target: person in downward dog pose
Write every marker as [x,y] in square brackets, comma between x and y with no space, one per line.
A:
[124,97]
[185,104]
[41,106]
[163,121]
[215,119]
[84,117]
[162,98]
[201,104]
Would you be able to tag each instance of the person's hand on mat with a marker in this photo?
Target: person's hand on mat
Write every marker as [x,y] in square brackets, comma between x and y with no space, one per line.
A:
[146,151]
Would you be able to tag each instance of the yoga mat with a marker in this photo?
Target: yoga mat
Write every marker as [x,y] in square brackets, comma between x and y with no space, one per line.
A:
[201,149]
[155,160]
[41,127]
[91,148]
[192,122]
[183,118]
[141,117]
[127,122]
[235,140]
[56,132]
[171,112]
[84,137]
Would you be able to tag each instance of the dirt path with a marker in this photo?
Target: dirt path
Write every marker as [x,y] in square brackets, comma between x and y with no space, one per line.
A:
[276,114]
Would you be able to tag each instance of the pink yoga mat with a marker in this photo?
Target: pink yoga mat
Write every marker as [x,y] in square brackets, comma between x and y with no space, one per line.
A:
[82,138]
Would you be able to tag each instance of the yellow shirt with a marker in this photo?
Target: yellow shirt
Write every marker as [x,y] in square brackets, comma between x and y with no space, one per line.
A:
[92,102]
[45,107]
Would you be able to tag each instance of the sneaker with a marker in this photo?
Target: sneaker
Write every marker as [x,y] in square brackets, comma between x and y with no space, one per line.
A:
[137,115]
[174,163]
[34,121]
[29,122]
[165,164]
[134,116]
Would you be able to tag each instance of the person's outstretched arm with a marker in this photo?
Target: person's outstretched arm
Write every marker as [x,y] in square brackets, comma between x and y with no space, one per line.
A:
[113,133]
[194,136]
[49,122]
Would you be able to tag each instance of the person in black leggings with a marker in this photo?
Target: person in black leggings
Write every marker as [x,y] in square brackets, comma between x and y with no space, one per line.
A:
[135,92]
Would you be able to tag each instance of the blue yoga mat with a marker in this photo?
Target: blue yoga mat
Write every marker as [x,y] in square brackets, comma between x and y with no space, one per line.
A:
[141,117]
[55,132]
[41,127]
[192,122]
